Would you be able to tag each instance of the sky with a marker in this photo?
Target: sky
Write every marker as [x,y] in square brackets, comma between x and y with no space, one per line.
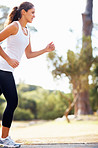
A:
[53,19]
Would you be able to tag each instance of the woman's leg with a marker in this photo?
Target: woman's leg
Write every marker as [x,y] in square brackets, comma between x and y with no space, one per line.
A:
[5,132]
[9,90]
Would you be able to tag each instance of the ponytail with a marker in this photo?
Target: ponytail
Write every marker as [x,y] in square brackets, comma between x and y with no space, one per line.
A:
[15,14]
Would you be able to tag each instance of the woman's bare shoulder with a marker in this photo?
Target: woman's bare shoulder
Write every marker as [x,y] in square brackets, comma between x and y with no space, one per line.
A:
[15,24]
[14,27]
[10,29]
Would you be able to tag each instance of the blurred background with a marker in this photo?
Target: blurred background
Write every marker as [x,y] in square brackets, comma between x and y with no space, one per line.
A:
[65,81]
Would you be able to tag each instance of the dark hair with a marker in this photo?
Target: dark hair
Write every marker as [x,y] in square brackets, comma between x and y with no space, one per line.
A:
[15,14]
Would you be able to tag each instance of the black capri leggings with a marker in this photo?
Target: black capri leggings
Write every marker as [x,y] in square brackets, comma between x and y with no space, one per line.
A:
[8,88]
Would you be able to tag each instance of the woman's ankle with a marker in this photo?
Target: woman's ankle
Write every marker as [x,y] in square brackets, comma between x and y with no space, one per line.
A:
[5,132]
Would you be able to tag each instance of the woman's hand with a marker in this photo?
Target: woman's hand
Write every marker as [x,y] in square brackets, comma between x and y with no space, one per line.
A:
[50,47]
[30,54]
[13,63]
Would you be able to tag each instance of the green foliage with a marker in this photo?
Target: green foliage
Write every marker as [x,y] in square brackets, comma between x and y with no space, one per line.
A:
[94,88]
[51,106]
[72,66]
[22,114]
[76,64]
[94,97]
[76,67]
[25,87]
[28,104]
[43,104]
[2,100]
[2,107]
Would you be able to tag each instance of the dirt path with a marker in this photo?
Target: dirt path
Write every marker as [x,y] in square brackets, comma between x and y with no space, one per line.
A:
[39,133]
[55,132]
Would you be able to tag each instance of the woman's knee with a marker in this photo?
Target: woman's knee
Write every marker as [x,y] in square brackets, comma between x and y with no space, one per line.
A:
[12,104]
[15,104]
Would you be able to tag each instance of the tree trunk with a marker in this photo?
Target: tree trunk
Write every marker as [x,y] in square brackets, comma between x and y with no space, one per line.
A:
[87,19]
[82,105]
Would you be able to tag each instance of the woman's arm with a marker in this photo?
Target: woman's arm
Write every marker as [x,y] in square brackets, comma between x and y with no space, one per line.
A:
[9,30]
[30,54]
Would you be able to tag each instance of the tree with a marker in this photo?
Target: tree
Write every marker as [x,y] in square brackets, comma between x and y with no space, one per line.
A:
[4,11]
[77,66]
[82,103]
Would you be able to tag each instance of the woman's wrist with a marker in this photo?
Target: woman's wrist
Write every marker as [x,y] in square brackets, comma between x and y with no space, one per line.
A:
[45,50]
[7,59]
[4,55]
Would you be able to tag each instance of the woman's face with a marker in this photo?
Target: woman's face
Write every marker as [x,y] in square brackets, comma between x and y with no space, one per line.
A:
[29,15]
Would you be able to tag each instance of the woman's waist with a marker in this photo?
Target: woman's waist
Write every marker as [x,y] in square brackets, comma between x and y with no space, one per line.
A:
[14,55]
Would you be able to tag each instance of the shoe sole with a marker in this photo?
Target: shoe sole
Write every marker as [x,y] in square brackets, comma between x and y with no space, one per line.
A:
[7,146]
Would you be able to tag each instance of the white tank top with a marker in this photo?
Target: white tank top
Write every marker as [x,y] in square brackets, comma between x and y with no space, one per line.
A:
[15,48]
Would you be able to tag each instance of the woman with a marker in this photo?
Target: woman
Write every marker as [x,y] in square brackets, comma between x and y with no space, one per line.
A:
[18,41]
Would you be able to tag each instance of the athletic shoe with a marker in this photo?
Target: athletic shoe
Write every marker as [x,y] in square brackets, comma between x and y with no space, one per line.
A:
[8,143]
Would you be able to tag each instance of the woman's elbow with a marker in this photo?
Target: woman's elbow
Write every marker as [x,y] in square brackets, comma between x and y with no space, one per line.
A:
[28,56]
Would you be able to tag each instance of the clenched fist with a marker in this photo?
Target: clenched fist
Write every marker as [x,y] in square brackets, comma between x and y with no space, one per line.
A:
[13,63]
[50,47]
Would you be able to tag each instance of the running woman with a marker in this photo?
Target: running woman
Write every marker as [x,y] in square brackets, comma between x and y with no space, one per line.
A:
[18,42]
